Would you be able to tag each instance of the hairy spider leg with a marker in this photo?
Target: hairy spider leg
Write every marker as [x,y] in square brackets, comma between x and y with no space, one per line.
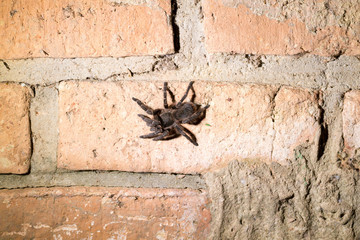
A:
[161,136]
[165,95]
[194,95]
[196,114]
[147,109]
[171,95]
[173,135]
[166,136]
[149,122]
[182,131]
[166,88]
[186,93]
[150,135]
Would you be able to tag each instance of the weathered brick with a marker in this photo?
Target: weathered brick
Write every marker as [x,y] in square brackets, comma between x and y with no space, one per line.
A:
[103,213]
[99,126]
[296,116]
[230,26]
[46,28]
[15,142]
[351,122]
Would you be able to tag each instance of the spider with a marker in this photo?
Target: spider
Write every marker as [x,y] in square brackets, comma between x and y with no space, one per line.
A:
[166,122]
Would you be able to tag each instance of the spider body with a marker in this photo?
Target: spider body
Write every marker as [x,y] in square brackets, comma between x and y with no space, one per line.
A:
[166,122]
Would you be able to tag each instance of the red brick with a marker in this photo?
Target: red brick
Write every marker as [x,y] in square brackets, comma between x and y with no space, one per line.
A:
[351,122]
[238,29]
[99,126]
[15,142]
[103,213]
[84,28]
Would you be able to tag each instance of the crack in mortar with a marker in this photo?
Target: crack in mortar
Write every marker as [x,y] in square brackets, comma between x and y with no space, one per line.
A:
[175,27]
[5,64]
[324,132]
[273,105]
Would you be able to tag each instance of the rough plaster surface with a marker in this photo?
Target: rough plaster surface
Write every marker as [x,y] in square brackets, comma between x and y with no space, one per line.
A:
[104,213]
[99,126]
[307,199]
[15,142]
[84,28]
[238,29]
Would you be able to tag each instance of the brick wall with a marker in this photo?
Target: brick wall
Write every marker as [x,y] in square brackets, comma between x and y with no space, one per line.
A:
[281,80]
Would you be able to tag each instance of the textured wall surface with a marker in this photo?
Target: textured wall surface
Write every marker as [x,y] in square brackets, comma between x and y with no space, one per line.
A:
[279,147]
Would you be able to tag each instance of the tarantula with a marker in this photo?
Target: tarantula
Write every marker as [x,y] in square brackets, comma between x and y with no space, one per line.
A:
[166,123]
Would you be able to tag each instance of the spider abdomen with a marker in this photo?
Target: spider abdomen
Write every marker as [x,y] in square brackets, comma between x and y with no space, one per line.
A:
[185,111]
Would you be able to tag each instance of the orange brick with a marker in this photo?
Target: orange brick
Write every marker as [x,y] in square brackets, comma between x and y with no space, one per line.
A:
[103,213]
[99,127]
[351,122]
[15,142]
[238,29]
[84,28]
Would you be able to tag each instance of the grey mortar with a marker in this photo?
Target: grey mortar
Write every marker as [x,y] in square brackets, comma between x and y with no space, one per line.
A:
[44,125]
[102,178]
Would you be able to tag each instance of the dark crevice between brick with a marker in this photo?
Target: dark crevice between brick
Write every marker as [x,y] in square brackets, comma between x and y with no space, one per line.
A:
[324,133]
[6,64]
[338,55]
[273,105]
[175,27]
[32,95]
